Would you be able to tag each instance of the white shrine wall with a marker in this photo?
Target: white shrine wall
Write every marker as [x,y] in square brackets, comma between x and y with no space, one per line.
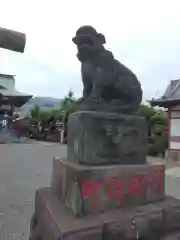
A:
[7,81]
[174,128]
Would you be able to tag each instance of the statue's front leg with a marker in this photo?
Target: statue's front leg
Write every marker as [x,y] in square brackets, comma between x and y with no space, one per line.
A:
[96,93]
[95,96]
[97,81]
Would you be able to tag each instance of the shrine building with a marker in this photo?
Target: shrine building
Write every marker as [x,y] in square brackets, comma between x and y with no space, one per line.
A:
[171,101]
[9,96]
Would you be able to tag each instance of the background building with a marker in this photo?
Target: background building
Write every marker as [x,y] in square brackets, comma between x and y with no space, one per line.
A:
[9,96]
[171,101]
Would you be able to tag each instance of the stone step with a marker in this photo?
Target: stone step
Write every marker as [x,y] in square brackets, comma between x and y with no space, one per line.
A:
[52,220]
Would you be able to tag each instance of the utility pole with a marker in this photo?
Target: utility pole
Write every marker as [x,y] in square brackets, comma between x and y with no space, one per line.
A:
[12,40]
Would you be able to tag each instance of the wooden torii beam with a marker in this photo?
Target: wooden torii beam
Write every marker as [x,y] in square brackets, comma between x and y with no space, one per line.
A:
[12,40]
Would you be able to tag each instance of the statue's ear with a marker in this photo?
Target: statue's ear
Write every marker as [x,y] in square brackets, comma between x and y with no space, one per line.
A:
[101,38]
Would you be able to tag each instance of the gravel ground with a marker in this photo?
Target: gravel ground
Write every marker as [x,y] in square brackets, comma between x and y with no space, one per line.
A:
[26,167]
[23,169]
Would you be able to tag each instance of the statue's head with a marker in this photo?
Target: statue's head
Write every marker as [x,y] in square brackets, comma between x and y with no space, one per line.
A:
[88,42]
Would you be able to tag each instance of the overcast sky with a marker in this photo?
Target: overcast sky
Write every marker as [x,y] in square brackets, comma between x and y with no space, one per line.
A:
[144,35]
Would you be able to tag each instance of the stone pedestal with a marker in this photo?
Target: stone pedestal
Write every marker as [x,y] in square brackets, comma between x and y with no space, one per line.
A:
[105,190]
[53,221]
[93,189]
[100,138]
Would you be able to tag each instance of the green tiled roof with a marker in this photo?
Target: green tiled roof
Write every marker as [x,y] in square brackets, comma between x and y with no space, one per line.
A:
[13,93]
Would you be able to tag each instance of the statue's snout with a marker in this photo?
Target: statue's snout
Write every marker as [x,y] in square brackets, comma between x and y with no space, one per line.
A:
[74,39]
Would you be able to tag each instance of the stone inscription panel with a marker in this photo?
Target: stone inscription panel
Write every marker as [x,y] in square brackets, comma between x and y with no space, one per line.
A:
[94,189]
[116,188]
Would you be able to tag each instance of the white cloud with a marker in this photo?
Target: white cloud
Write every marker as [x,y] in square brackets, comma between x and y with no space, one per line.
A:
[144,35]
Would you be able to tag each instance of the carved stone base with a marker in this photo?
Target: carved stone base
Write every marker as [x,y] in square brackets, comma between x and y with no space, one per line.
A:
[150,221]
[93,189]
[101,138]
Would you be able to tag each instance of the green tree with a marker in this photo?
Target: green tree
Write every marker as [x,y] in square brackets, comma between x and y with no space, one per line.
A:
[68,103]
[57,114]
[159,119]
[157,129]
[44,115]
[147,112]
[35,112]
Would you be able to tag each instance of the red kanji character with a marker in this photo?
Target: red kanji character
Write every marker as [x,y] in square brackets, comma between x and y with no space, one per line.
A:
[151,184]
[90,188]
[135,187]
[115,188]
[160,180]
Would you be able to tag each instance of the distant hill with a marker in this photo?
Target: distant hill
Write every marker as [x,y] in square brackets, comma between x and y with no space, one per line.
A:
[42,102]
